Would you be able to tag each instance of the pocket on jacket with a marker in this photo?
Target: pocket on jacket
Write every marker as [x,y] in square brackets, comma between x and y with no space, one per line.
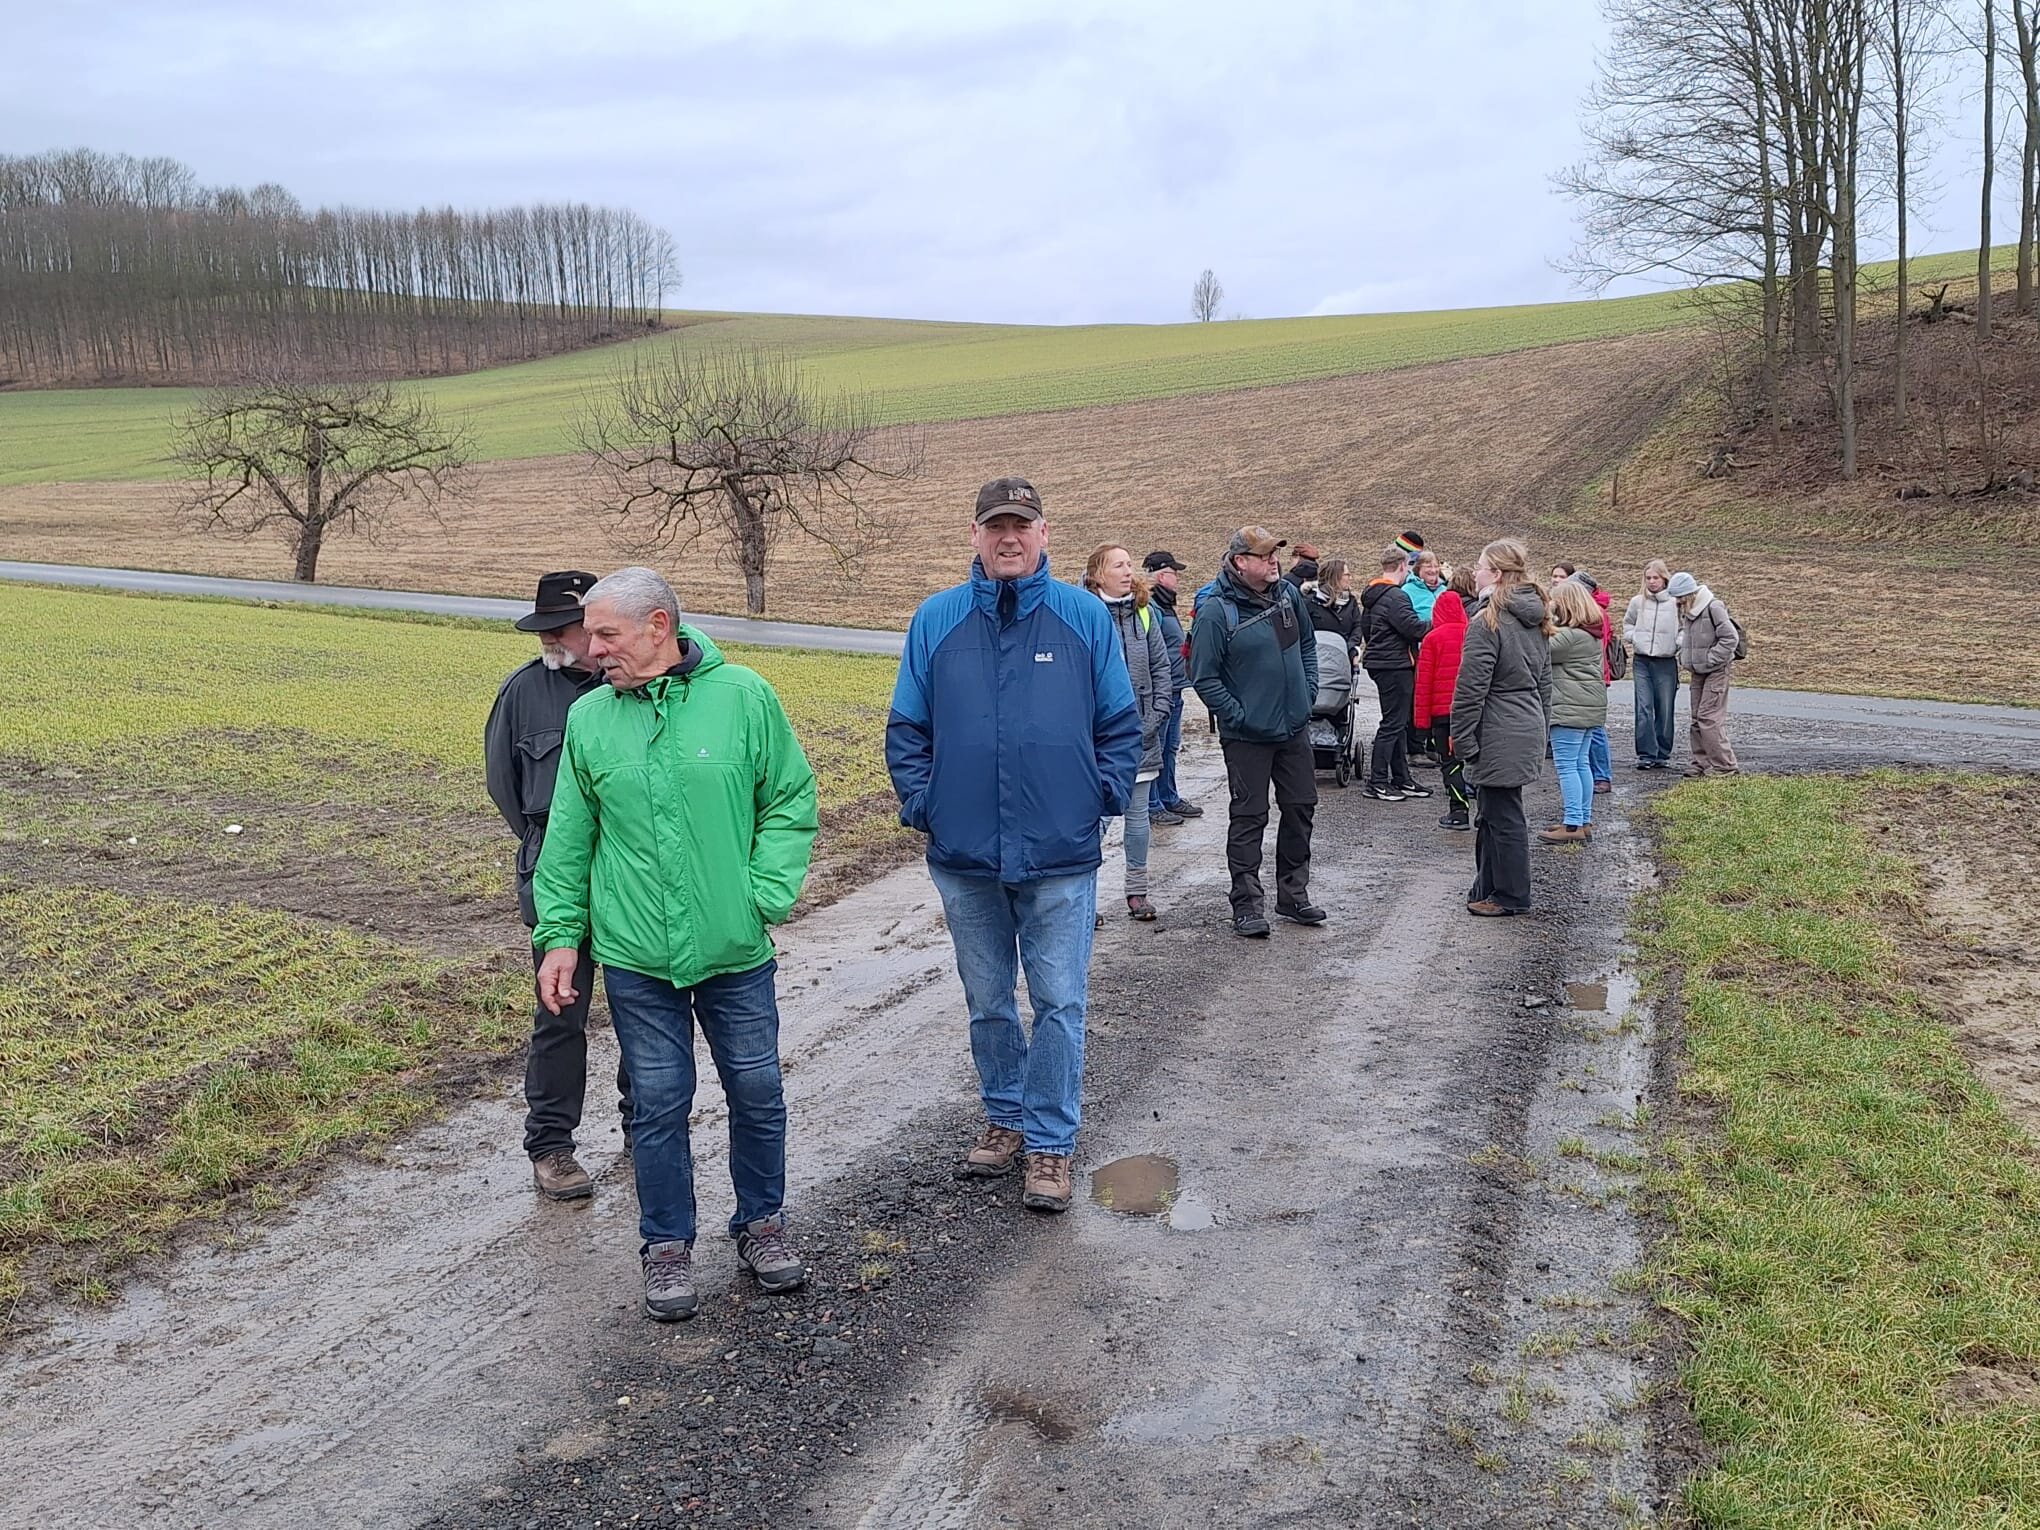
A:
[538,770]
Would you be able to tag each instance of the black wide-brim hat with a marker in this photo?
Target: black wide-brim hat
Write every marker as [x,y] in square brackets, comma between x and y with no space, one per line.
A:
[559,601]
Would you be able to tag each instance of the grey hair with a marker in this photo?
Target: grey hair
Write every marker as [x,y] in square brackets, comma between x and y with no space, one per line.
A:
[636,592]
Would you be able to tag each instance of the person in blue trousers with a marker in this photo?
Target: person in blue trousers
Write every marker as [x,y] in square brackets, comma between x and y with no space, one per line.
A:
[1013,732]
[1170,805]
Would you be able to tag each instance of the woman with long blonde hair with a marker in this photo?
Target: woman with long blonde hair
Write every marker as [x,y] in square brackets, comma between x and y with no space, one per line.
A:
[1579,705]
[1501,709]
[1108,574]
[1650,626]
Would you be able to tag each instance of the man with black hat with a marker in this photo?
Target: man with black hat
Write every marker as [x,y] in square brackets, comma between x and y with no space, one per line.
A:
[1253,659]
[521,749]
[1169,804]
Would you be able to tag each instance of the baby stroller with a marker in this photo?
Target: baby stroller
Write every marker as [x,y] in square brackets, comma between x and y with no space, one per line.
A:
[1334,741]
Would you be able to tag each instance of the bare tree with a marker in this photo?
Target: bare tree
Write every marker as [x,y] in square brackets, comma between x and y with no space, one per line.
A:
[1989,167]
[1205,297]
[2026,28]
[739,446]
[309,462]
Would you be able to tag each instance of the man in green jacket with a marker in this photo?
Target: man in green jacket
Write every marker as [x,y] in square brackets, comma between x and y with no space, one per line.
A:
[681,826]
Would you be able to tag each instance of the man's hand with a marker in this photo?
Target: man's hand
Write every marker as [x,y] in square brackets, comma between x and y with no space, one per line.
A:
[556,979]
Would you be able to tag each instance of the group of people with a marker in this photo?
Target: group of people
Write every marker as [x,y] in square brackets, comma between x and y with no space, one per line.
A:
[666,810]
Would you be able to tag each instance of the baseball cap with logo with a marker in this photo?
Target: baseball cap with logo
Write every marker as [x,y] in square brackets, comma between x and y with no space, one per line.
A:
[1008,496]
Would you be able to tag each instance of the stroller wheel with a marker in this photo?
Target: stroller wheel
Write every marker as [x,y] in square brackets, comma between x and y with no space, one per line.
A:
[1343,771]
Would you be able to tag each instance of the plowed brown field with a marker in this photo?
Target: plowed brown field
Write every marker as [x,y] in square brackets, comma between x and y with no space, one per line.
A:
[1459,451]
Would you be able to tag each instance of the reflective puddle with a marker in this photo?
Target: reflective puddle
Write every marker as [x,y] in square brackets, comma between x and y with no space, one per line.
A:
[1591,997]
[1145,1185]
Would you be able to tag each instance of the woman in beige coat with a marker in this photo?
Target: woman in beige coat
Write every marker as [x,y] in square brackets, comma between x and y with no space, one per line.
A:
[1707,642]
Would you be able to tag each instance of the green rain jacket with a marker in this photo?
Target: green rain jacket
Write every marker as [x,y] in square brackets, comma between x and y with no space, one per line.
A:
[681,826]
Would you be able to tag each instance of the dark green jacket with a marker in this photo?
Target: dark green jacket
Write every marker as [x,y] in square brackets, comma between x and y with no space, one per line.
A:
[681,824]
[1258,674]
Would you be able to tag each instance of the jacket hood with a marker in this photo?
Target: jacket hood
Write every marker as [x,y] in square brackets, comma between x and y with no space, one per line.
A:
[1702,598]
[1235,589]
[699,657]
[1323,596]
[1377,589]
[1450,611]
[1527,606]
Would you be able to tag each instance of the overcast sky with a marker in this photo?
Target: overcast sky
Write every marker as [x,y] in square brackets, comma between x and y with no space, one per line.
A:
[1046,161]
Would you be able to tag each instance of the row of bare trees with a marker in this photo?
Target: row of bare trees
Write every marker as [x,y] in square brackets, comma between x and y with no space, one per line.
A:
[115,268]
[723,451]
[1742,145]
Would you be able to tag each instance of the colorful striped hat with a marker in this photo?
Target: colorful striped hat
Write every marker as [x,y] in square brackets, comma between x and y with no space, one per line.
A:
[1410,543]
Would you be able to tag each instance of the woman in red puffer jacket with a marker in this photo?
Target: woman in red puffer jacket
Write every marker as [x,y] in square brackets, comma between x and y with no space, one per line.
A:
[1437,673]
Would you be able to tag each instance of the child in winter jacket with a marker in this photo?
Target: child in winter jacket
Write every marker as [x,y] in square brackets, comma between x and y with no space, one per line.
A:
[1437,673]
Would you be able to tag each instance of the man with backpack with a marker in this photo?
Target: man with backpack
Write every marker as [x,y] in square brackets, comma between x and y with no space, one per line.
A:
[1253,661]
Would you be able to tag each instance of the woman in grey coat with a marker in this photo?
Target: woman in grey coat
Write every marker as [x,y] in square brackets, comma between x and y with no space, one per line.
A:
[1109,575]
[1708,639]
[1501,716]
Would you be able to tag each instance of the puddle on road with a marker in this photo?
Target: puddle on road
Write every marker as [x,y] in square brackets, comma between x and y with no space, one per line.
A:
[1145,1185]
[1612,995]
[1013,1406]
[1590,997]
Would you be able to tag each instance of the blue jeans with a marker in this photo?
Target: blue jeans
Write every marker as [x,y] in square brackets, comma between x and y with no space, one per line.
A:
[1032,1084]
[1140,833]
[1570,750]
[1164,789]
[1657,702]
[1600,763]
[739,1015]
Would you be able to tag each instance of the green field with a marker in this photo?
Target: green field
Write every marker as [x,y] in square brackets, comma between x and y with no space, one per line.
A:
[189,1015]
[1853,1216]
[921,371]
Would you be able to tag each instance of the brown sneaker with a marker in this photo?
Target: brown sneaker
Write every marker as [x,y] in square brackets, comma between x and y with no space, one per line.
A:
[994,1152]
[559,1177]
[1047,1187]
[1563,834]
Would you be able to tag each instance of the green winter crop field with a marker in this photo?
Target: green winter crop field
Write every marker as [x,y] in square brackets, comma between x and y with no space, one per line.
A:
[922,371]
[257,903]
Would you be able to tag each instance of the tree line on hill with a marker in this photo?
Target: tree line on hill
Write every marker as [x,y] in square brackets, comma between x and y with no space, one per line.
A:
[1743,145]
[119,269]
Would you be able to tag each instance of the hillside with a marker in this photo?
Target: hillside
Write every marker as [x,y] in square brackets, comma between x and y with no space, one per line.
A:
[920,370]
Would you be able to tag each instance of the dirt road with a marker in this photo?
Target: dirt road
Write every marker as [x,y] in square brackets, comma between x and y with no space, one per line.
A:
[1385,1287]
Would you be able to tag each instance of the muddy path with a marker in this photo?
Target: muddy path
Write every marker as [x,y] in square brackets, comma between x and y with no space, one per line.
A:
[1387,1287]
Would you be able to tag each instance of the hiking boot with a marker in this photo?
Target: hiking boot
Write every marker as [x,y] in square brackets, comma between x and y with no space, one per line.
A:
[1455,821]
[1411,789]
[1301,913]
[1487,908]
[670,1296]
[1251,923]
[1047,1187]
[1562,834]
[1385,793]
[558,1176]
[763,1249]
[1186,809]
[993,1153]
[1165,818]
[1138,907]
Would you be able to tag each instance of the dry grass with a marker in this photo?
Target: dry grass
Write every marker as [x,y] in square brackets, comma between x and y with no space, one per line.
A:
[1461,451]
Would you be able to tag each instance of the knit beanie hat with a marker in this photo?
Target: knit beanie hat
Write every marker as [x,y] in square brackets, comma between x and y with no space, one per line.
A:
[1410,543]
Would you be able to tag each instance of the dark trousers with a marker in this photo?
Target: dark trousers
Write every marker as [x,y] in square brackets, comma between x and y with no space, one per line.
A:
[1398,691]
[1250,770]
[1454,773]
[1501,849]
[556,1069]
[1657,701]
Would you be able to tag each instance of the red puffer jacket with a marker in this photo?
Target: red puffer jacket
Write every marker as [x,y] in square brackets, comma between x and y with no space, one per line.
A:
[1438,659]
[1607,633]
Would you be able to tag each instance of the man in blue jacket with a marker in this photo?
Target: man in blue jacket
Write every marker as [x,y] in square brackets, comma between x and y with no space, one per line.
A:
[1013,732]
[1253,660]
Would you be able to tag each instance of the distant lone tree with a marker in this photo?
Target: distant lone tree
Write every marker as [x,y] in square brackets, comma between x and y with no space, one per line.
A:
[309,461]
[1206,296]
[739,447]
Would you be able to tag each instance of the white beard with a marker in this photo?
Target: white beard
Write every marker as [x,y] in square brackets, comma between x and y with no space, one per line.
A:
[553,656]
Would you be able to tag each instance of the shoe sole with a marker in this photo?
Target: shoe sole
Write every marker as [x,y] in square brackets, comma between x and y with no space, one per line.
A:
[580,1194]
[1299,919]
[1250,934]
[671,1317]
[1044,1203]
[779,1285]
[989,1170]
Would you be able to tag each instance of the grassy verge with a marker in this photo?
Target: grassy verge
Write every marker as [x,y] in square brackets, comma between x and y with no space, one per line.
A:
[157,1057]
[1855,1222]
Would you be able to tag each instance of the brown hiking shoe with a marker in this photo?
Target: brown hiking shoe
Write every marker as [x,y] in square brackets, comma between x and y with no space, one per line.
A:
[559,1177]
[993,1153]
[1047,1187]
[1563,834]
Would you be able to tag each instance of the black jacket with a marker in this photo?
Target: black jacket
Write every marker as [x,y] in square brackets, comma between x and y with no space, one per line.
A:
[1342,618]
[1163,602]
[521,754]
[1389,626]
